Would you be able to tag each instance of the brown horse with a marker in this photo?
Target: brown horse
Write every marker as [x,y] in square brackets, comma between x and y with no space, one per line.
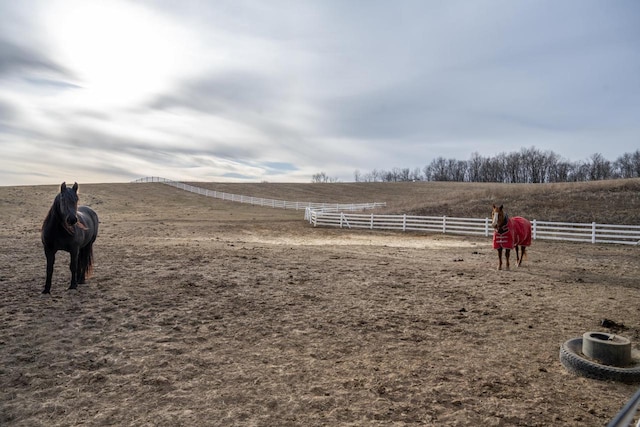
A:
[509,233]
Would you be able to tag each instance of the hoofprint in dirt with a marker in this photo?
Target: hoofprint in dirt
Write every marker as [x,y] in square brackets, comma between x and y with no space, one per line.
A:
[235,315]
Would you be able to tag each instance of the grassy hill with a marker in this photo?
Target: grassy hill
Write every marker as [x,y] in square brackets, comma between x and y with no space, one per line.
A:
[605,202]
[613,202]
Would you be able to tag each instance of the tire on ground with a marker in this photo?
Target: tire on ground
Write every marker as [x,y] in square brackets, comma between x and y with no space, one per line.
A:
[572,359]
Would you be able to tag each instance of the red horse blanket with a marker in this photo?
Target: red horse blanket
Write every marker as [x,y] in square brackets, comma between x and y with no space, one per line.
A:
[517,233]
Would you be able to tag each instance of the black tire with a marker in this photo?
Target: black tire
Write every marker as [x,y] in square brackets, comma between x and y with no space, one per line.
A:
[572,359]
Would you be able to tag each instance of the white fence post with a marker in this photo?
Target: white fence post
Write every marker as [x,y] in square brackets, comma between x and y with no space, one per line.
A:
[324,214]
[343,218]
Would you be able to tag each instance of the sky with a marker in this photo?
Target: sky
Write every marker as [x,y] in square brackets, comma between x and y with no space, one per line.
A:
[279,90]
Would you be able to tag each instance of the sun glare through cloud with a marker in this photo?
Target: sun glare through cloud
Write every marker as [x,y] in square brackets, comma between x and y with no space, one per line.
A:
[120,52]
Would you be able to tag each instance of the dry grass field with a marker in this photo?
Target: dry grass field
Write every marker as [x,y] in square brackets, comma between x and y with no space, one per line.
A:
[206,312]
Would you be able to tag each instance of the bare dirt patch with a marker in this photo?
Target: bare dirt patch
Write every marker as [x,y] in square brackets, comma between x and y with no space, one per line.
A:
[204,312]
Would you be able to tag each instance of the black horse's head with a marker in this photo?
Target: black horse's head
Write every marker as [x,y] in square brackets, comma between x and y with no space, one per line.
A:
[67,205]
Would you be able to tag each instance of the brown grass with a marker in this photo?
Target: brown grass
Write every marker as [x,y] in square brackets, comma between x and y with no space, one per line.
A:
[205,312]
[606,202]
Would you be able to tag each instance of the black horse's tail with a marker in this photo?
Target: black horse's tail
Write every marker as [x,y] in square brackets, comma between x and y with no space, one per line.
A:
[85,261]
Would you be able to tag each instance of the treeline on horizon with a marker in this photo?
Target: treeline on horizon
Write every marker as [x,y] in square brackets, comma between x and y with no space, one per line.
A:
[529,165]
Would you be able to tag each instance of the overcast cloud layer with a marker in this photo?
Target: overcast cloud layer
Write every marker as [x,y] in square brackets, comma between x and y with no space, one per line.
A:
[103,91]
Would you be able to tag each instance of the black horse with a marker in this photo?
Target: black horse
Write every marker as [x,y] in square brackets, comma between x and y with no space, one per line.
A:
[70,228]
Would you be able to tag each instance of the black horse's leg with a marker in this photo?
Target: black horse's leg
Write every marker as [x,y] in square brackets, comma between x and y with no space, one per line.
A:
[81,273]
[499,258]
[73,266]
[51,259]
[84,260]
[517,255]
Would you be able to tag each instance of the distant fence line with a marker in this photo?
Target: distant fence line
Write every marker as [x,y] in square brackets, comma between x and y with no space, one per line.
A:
[341,215]
[282,204]
[547,230]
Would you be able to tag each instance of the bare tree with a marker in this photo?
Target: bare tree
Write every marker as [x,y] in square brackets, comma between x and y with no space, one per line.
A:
[560,171]
[474,167]
[405,174]
[628,165]
[426,171]
[416,175]
[530,165]
[533,161]
[599,168]
[322,177]
[580,172]
[492,169]
[399,174]
[457,170]
[636,163]
[513,167]
[437,170]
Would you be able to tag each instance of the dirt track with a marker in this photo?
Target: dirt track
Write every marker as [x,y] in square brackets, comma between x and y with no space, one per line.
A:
[204,312]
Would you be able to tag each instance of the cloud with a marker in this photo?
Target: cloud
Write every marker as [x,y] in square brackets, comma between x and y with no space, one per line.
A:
[22,45]
[228,93]
[254,114]
[50,83]
[17,59]
[250,91]
[7,112]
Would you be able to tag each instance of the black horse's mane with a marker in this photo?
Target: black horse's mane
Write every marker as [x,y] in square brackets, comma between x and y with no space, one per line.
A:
[52,212]
[53,216]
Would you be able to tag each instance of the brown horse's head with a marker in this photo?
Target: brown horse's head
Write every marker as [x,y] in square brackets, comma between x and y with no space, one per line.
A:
[498,217]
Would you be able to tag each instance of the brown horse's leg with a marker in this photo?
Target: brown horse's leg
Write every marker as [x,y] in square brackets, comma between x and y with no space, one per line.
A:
[499,258]
[522,255]
[507,252]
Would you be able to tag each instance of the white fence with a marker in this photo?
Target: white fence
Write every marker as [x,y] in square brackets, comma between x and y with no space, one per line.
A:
[341,215]
[327,207]
[576,232]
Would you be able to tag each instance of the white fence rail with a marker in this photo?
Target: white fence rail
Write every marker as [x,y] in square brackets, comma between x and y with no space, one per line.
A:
[577,232]
[327,207]
[341,215]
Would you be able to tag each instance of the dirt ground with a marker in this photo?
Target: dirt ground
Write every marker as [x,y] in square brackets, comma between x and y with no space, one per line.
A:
[205,312]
